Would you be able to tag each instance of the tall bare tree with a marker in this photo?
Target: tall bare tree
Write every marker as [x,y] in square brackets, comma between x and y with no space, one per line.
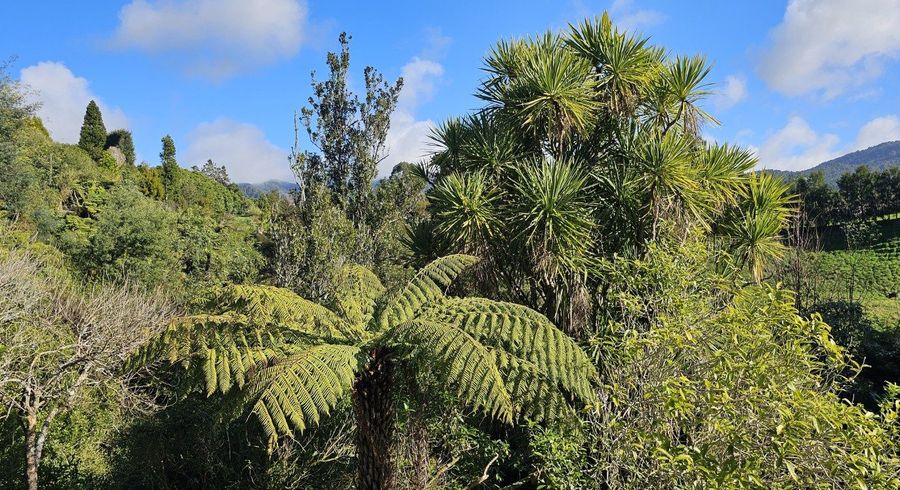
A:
[57,342]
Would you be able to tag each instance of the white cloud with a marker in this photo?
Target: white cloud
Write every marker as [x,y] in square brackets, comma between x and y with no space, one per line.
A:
[629,18]
[63,98]
[419,77]
[734,91]
[214,38]
[878,130]
[828,46]
[797,146]
[407,139]
[241,147]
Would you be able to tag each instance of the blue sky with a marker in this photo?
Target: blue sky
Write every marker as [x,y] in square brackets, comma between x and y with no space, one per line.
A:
[800,81]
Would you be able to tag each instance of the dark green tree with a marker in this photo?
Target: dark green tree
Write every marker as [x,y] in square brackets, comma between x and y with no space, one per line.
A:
[349,133]
[93,132]
[214,172]
[14,115]
[169,164]
[121,139]
[134,238]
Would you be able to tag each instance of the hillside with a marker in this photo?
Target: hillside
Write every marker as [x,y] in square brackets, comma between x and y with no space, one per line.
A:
[878,157]
[256,190]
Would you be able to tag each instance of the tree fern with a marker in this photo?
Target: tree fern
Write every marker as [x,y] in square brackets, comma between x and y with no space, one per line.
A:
[292,361]
[537,396]
[358,292]
[269,305]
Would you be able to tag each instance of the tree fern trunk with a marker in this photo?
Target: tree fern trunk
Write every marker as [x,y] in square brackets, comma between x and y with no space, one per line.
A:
[418,433]
[373,405]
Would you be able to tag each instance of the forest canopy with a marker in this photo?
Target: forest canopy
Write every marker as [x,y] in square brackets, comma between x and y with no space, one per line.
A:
[575,289]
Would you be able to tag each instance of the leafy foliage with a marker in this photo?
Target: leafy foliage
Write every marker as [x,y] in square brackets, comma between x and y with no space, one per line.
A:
[736,391]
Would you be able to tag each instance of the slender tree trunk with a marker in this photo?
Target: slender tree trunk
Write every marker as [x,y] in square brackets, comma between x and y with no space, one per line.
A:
[31,450]
[374,409]
[418,433]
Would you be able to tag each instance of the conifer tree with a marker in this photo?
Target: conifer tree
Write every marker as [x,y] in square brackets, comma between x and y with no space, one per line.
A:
[169,164]
[93,132]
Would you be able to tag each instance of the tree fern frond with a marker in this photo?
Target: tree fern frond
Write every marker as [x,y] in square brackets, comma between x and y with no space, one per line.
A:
[358,291]
[428,285]
[296,391]
[534,395]
[524,333]
[270,305]
[228,349]
[462,360]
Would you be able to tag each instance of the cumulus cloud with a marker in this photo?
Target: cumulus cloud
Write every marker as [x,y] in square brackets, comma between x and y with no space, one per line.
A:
[797,146]
[407,139]
[63,98]
[628,17]
[214,38]
[241,147]
[878,130]
[732,93]
[828,46]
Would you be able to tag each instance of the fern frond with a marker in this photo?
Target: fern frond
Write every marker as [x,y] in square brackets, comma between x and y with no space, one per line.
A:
[358,291]
[270,305]
[463,361]
[534,395]
[524,333]
[228,350]
[428,285]
[296,391]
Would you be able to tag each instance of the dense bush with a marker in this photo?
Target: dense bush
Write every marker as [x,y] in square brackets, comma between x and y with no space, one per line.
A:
[711,386]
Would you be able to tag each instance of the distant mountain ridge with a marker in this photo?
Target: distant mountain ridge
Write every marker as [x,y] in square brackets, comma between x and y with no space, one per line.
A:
[256,190]
[878,157]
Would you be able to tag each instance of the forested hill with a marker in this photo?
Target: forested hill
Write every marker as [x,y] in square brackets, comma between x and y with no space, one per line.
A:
[256,190]
[878,157]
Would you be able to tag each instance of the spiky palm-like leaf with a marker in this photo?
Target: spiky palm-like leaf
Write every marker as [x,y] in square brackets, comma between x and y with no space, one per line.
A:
[670,176]
[551,209]
[551,93]
[625,65]
[491,143]
[447,140]
[502,64]
[753,226]
[673,100]
[465,210]
[723,171]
